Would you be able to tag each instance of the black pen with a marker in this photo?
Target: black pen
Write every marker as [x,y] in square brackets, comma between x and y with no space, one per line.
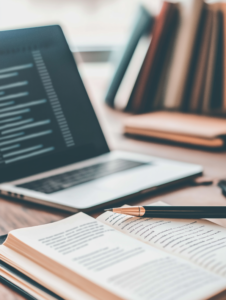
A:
[174,212]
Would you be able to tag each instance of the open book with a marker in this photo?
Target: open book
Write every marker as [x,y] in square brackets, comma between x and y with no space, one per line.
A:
[117,257]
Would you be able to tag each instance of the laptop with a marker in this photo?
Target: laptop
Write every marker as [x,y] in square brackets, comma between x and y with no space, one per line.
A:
[52,148]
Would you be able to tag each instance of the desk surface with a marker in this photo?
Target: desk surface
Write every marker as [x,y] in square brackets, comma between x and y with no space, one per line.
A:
[14,214]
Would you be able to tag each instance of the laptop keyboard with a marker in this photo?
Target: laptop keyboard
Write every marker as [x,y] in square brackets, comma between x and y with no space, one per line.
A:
[72,178]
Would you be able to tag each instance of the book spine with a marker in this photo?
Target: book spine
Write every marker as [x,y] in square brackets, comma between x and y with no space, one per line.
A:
[190,16]
[190,102]
[223,8]
[143,24]
[138,101]
[211,61]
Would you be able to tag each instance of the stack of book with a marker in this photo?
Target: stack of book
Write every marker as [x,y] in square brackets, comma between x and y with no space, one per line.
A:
[179,65]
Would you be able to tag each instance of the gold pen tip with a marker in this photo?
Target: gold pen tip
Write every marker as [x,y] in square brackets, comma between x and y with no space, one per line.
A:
[109,209]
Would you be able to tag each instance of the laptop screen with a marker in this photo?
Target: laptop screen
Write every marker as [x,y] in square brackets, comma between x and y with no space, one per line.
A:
[46,118]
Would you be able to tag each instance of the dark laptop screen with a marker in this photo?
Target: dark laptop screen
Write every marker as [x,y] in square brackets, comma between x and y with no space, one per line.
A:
[46,118]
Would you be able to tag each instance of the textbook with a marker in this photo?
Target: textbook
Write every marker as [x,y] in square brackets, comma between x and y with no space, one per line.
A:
[128,82]
[147,82]
[117,257]
[142,26]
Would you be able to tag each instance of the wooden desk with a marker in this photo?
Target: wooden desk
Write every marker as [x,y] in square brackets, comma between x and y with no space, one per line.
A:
[14,214]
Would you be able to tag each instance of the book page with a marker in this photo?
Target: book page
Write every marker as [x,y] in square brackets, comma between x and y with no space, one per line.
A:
[40,275]
[198,241]
[111,265]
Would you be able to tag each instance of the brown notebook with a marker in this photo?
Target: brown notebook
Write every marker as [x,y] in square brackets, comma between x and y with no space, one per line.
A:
[150,73]
[179,127]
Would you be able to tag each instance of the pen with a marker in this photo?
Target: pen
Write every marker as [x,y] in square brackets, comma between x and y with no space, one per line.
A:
[175,212]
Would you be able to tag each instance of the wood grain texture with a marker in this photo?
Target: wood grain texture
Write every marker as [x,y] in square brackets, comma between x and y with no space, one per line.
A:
[16,214]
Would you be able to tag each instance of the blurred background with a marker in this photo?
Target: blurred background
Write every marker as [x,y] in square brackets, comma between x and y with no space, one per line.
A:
[97,30]
[89,25]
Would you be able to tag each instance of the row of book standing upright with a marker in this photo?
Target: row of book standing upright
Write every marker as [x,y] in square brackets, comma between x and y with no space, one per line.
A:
[174,61]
